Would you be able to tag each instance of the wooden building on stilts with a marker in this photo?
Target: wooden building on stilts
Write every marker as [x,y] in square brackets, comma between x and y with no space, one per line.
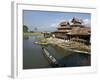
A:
[62,30]
[73,31]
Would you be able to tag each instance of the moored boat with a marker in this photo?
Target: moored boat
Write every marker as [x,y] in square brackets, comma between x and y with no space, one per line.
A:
[50,57]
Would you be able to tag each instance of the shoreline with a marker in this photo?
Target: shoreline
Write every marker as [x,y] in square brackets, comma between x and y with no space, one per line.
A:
[32,34]
[58,42]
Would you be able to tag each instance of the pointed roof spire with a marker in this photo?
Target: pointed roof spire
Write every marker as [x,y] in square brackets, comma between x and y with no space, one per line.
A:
[76,20]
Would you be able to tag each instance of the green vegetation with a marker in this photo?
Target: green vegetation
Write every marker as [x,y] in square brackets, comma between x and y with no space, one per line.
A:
[33,34]
[25,28]
[47,35]
[35,28]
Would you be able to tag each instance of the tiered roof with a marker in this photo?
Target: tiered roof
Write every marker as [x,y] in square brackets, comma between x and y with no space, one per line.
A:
[64,26]
[80,31]
[76,22]
[76,28]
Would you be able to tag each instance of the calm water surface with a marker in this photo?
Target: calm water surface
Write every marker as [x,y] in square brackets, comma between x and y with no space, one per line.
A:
[33,55]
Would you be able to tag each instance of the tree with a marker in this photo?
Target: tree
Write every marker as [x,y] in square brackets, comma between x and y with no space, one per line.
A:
[31,31]
[25,28]
[35,28]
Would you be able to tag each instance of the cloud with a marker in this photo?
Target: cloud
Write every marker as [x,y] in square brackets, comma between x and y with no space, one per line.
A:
[87,22]
[54,25]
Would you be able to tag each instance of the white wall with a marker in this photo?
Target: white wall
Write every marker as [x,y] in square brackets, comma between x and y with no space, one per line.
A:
[5,39]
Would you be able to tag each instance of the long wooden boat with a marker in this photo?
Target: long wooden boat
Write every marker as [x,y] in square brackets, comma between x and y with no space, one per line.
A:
[50,57]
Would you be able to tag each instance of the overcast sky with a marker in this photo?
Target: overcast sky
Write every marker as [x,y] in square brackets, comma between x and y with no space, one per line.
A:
[48,21]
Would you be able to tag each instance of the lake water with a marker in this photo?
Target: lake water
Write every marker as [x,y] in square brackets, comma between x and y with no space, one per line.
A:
[33,55]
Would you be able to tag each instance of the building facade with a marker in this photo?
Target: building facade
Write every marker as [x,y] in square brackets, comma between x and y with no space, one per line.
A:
[74,30]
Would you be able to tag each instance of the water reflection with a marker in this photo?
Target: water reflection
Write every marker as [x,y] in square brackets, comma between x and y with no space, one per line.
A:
[76,59]
[25,37]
